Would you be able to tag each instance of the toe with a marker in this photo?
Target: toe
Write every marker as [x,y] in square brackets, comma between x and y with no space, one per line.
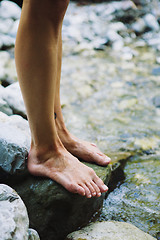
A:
[75,188]
[96,188]
[100,184]
[102,159]
[92,189]
[88,193]
[80,190]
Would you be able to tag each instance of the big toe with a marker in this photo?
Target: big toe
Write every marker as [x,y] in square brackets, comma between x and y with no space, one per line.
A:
[102,159]
[100,184]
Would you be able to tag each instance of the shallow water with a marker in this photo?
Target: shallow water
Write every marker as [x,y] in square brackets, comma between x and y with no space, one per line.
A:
[108,99]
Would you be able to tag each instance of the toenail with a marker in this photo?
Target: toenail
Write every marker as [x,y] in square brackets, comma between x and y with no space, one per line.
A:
[99,194]
[107,159]
[105,187]
[89,196]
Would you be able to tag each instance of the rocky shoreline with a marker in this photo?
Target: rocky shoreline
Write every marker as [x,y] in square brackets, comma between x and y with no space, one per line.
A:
[96,40]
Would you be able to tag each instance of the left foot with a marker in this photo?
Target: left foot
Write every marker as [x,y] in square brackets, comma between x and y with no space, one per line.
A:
[83,150]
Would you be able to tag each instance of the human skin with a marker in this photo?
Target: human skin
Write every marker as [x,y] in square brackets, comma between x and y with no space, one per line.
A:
[38,62]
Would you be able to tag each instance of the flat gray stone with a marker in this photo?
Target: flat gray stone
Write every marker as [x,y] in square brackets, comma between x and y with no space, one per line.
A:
[110,230]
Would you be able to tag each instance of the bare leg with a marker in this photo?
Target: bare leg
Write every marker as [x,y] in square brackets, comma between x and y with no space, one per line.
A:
[84,150]
[36,53]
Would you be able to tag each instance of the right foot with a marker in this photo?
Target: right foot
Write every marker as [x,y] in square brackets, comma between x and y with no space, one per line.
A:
[59,165]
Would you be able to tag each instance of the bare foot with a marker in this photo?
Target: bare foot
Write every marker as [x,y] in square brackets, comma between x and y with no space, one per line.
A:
[83,150]
[59,165]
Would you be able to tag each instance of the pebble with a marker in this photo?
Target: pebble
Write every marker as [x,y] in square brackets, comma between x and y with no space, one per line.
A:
[151,22]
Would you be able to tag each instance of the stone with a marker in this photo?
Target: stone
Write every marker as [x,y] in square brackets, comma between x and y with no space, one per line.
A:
[6,41]
[60,211]
[110,230]
[46,201]
[139,26]
[14,145]
[8,74]
[12,95]
[6,25]
[33,235]
[13,30]
[5,108]
[151,22]
[14,222]
[9,10]
[4,58]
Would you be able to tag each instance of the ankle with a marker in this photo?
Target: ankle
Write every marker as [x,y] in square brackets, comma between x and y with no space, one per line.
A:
[43,148]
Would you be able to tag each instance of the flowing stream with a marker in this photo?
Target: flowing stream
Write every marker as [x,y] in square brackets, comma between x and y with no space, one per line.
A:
[110,99]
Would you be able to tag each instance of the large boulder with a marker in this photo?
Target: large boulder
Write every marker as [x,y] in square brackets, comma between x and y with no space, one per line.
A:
[110,230]
[14,222]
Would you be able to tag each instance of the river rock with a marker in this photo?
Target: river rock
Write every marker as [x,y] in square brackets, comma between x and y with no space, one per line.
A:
[9,9]
[4,107]
[60,212]
[6,41]
[47,202]
[151,22]
[110,230]
[14,145]
[14,220]
[12,95]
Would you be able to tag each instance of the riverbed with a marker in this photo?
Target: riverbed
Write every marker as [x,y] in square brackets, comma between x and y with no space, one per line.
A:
[110,95]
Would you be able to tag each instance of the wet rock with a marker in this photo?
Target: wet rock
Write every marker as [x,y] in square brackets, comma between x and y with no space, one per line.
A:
[137,198]
[60,211]
[48,202]
[110,230]
[14,145]
[14,220]
[12,95]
